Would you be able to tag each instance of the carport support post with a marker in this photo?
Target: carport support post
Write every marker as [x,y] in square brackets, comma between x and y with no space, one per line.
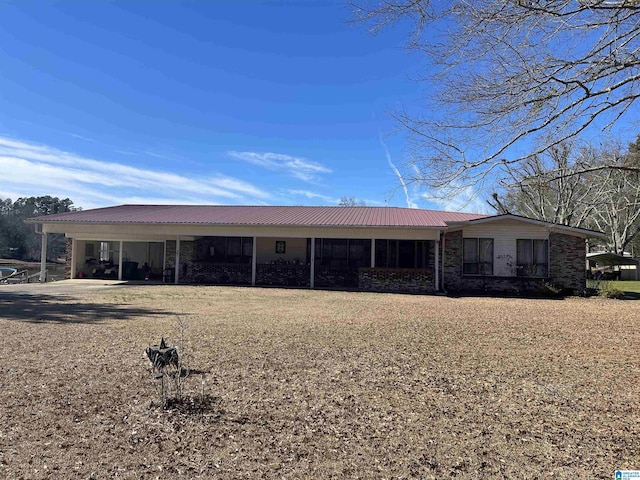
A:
[254,261]
[43,258]
[74,247]
[177,259]
[312,270]
[120,257]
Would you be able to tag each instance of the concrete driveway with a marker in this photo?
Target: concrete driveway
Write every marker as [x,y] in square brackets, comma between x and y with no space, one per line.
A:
[63,287]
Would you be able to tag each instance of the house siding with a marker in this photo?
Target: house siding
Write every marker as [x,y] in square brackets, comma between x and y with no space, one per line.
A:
[504,234]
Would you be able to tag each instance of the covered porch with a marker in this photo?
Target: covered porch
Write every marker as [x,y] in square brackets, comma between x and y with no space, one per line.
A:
[340,263]
[380,259]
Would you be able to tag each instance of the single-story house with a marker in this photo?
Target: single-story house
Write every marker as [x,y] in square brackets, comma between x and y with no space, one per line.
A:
[363,248]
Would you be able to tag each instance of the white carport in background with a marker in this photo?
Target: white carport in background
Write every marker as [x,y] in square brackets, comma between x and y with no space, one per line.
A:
[612,260]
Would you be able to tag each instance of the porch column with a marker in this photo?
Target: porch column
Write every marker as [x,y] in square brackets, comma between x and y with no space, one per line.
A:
[444,236]
[313,263]
[373,253]
[120,258]
[437,263]
[164,261]
[177,260]
[74,247]
[254,261]
[43,258]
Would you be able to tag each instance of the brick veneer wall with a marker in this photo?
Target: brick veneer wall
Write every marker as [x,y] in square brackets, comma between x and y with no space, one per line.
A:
[567,264]
[452,270]
[330,277]
[407,280]
[283,275]
[219,273]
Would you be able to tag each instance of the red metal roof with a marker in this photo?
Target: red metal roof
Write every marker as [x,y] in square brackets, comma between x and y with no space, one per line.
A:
[261,215]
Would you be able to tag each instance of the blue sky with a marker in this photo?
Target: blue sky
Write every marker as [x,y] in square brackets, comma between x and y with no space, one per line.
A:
[208,102]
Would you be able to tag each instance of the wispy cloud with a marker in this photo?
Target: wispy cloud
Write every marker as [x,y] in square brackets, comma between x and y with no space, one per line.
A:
[457,199]
[403,183]
[75,135]
[313,196]
[30,169]
[298,167]
[157,155]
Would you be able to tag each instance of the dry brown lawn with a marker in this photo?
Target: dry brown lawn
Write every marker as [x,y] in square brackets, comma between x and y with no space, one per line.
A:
[313,384]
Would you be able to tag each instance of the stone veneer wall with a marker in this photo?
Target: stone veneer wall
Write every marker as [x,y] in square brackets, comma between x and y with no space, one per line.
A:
[402,280]
[567,261]
[567,269]
[68,249]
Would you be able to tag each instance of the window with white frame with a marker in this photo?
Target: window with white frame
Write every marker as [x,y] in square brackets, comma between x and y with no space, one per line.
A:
[477,256]
[532,258]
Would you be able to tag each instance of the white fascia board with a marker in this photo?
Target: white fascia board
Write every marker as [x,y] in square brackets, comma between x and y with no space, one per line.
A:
[554,227]
[160,231]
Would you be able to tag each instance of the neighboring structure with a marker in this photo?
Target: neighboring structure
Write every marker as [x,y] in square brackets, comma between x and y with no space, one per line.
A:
[611,266]
[363,248]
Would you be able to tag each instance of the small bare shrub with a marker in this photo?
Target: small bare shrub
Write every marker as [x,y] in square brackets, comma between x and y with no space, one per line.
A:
[172,377]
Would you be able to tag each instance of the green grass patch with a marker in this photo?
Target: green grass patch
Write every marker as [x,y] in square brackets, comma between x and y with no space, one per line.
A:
[610,288]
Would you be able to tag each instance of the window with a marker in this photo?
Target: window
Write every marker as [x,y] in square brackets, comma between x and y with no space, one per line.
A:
[532,258]
[401,254]
[337,252]
[477,256]
[226,249]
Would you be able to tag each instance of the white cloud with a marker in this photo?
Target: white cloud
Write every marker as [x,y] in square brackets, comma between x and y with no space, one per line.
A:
[296,166]
[30,169]
[313,195]
[75,135]
[157,155]
[458,199]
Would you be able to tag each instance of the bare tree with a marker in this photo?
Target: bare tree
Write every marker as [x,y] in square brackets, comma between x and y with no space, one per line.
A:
[618,213]
[567,186]
[511,79]
[351,202]
[551,187]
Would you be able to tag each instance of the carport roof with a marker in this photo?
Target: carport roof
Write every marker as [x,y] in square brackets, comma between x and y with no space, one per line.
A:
[261,215]
[610,258]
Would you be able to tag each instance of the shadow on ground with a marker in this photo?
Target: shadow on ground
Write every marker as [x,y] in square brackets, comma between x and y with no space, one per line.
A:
[43,308]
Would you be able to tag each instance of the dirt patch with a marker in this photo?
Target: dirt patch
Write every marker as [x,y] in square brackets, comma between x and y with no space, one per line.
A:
[310,384]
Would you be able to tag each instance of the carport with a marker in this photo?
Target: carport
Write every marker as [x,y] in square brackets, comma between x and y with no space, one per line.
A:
[625,268]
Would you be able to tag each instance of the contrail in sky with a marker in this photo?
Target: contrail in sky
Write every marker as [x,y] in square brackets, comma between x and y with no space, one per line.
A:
[410,203]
